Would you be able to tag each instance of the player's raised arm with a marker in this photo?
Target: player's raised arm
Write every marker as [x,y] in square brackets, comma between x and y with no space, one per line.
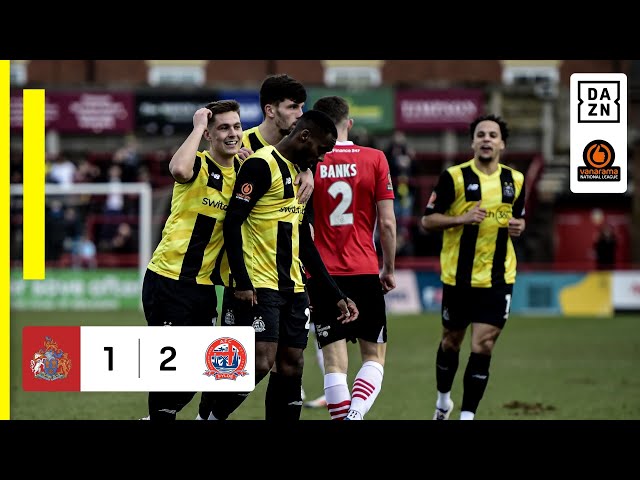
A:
[182,163]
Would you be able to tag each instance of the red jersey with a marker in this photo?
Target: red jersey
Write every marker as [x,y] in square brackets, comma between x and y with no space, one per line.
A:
[348,184]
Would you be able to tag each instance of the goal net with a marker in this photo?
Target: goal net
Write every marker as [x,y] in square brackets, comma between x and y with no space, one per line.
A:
[99,238]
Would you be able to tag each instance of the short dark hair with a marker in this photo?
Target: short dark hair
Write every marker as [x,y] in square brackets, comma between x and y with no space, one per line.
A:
[277,88]
[222,106]
[336,107]
[315,119]
[504,130]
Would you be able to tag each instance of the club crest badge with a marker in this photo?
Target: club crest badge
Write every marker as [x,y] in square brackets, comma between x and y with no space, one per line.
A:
[226,358]
[50,362]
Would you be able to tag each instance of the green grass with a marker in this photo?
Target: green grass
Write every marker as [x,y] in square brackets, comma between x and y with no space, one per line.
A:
[542,368]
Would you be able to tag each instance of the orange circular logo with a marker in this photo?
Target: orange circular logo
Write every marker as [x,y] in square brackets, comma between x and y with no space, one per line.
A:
[598,154]
[246,189]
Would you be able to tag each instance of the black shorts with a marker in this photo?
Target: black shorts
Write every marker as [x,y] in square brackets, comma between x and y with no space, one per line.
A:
[366,292]
[462,306]
[281,317]
[178,303]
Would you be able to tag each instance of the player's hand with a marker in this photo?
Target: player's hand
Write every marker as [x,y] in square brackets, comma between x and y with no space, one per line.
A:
[475,215]
[244,153]
[305,180]
[388,281]
[201,118]
[516,226]
[349,311]
[247,296]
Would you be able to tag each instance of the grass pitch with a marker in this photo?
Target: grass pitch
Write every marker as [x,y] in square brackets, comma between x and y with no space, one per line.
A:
[548,368]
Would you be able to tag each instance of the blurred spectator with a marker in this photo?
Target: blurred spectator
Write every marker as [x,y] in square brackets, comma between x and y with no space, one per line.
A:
[16,166]
[86,172]
[53,142]
[404,241]
[605,248]
[115,199]
[83,254]
[61,170]
[15,252]
[54,230]
[400,155]
[114,204]
[144,176]
[128,157]
[123,241]
[404,194]
[73,227]
[16,176]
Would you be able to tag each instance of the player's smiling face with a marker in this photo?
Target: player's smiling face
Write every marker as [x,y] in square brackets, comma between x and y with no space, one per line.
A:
[226,135]
[487,141]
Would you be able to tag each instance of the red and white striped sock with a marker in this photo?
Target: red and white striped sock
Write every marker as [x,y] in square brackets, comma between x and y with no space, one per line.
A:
[366,387]
[337,394]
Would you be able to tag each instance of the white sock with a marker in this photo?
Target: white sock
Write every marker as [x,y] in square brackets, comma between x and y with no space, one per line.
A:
[366,387]
[319,354]
[443,400]
[320,358]
[467,415]
[211,417]
[337,394]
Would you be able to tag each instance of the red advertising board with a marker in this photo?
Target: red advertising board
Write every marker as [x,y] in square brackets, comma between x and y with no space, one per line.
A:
[422,110]
[82,112]
[576,231]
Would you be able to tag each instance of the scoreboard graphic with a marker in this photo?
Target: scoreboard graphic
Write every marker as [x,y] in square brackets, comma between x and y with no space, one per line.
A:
[138,359]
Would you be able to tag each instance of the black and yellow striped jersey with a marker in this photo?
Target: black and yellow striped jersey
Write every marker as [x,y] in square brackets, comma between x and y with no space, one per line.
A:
[478,255]
[253,139]
[264,203]
[192,244]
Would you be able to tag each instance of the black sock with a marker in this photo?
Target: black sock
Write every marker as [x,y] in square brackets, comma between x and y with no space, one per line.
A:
[224,404]
[166,405]
[476,377]
[206,404]
[446,368]
[283,401]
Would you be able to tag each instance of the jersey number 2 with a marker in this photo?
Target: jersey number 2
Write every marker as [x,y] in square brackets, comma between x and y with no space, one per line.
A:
[338,217]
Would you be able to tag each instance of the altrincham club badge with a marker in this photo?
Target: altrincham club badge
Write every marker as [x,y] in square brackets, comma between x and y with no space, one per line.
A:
[50,362]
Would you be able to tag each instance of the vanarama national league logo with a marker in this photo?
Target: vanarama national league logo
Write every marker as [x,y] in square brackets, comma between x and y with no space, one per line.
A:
[50,363]
[598,156]
[226,358]
[599,133]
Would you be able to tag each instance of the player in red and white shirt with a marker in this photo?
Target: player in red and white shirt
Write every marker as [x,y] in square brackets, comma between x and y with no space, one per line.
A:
[353,192]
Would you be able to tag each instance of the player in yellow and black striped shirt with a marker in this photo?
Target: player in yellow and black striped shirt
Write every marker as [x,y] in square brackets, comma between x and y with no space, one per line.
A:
[179,285]
[269,240]
[480,206]
[281,99]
